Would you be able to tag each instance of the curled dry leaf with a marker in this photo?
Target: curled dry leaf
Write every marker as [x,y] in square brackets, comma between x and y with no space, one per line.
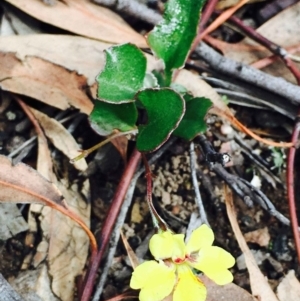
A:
[83,55]
[84,18]
[60,137]
[44,81]
[259,284]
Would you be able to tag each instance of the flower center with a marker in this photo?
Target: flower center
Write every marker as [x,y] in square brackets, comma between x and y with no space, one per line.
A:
[180,260]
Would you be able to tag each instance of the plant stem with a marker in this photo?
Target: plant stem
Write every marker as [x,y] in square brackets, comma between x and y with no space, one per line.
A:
[158,222]
[104,236]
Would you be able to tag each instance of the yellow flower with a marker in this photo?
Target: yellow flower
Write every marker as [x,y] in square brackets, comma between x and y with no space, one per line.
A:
[172,270]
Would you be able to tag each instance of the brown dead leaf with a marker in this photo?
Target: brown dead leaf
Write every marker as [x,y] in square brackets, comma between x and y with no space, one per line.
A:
[258,282]
[83,18]
[83,55]
[259,236]
[60,138]
[225,292]
[228,3]
[289,288]
[44,81]
[23,184]
[121,143]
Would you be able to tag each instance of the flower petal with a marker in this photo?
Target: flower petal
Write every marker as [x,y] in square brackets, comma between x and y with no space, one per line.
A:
[200,238]
[161,245]
[189,287]
[155,280]
[178,247]
[214,262]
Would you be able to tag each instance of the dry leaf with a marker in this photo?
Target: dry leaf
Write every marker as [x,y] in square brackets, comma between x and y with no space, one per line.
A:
[289,288]
[225,292]
[60,138]
[258,282]
[83,18]
[44,81]
[259,236]
[228,3]
[23,184]
[83,55]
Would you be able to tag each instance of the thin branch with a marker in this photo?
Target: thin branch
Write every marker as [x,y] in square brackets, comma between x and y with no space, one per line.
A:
[207,12]
[291,186]
[108,226]
[199,202]
[250,75]
[274,48]
[133,8]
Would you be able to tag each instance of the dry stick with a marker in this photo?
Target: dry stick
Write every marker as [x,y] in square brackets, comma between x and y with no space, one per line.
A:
[105,234]
[133,8]
[274,48]
[291,186]
[199,202]
[207,12]
[243,188]
[219,21]
[282,53]
[250,75]
[121,219]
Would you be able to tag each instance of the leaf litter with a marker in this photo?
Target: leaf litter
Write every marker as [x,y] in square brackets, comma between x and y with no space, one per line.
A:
[64,64]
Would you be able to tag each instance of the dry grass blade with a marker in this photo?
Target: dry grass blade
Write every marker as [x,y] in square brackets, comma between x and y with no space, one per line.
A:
[132,257]
[84,18]
[44,81]
[259,284]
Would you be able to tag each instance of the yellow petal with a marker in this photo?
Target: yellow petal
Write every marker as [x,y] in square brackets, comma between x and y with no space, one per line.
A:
[155,280]
[214,262]
[178,248]
[189,288]
[200,238]
[162,245]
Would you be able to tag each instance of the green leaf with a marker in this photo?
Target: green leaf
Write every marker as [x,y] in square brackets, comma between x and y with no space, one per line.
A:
[193,122]
[171,39]
[165,109]
[107,117]
[123,74]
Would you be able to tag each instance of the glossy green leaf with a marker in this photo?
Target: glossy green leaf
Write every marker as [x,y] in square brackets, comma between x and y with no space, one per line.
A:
[123,74]
[193,122]
[107,117]
[171,39]
[165,109]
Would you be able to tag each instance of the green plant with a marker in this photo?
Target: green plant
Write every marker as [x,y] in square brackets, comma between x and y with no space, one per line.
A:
[130,99]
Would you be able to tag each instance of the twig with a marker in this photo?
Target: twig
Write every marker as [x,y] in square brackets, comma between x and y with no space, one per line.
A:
[121,219]
[243,188]
[199,202]
[219,21]
[274,48]
[243,72]
[6,291]
[107,228]
[207,12]
[291,186]
[132,8]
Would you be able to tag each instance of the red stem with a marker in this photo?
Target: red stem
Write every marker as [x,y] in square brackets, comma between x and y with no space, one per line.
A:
[291,186]
[207,12]
[109,223]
